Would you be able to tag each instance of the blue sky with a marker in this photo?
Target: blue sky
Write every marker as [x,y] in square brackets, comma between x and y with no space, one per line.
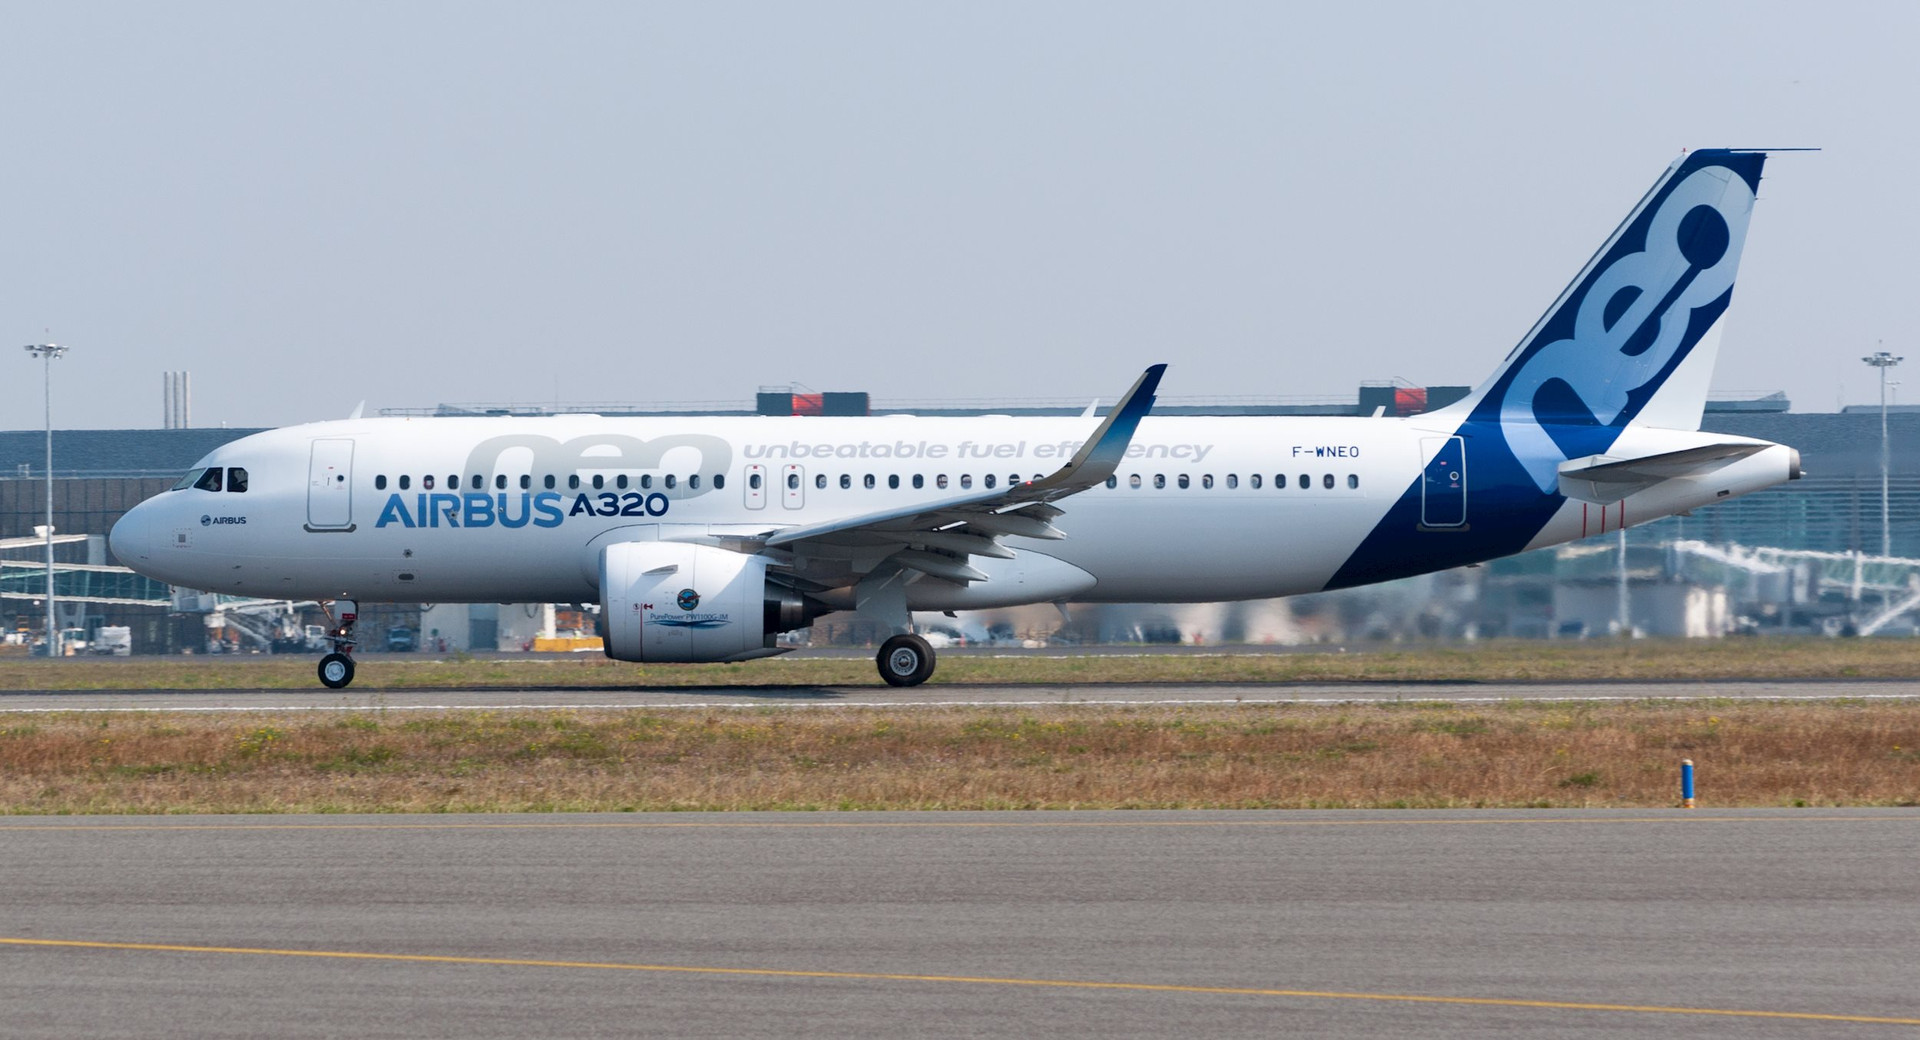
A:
[312,205]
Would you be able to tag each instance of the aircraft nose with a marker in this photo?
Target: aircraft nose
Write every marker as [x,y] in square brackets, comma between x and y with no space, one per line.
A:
[131,540]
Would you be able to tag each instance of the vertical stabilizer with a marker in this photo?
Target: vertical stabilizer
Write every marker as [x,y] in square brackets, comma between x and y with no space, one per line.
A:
[1631,341]
[1643,314]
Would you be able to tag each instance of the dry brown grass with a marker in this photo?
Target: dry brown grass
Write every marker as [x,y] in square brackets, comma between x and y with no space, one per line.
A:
[1484,662]
[1514,754]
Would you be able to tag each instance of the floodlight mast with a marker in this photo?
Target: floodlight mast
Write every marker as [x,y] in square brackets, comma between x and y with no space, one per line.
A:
[47,352]
[1883,360]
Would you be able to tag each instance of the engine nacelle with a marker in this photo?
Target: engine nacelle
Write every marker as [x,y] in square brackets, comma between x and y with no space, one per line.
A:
[670,601]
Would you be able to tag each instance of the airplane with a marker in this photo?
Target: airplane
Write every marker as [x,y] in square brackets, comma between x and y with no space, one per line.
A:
[703,539]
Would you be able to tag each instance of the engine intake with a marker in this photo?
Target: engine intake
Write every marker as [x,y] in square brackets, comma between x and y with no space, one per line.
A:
[674,602]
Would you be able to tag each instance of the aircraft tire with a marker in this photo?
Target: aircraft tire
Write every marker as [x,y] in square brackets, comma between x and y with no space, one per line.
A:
[905,660]
[336,671]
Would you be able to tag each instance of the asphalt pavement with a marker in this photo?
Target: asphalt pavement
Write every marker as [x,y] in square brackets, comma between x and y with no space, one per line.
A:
[1756,923]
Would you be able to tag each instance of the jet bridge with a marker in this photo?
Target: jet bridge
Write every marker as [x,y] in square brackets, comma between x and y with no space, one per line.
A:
[272,624]
[1892,580]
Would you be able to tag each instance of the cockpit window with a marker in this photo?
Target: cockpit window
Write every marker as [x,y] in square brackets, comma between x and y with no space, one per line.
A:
[210,480]
[192,477]
[236,479]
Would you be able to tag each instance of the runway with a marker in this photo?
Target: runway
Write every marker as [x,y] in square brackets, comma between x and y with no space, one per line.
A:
[933,695]
[1788,923]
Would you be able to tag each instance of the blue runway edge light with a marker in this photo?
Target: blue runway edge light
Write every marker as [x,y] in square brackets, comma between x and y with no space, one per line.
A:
[1686,783]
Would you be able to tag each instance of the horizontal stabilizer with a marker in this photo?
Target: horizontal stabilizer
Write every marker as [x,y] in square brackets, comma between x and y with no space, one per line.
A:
[1603,478]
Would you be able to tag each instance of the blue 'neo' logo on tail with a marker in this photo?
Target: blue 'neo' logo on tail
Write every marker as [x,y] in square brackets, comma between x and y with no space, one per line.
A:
[1590,366]
[1634,316]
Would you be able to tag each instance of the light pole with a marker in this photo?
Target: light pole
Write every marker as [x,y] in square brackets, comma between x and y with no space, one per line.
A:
[1882,360]
[49,351]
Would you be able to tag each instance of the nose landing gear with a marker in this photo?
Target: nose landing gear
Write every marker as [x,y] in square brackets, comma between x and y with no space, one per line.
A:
[336,669]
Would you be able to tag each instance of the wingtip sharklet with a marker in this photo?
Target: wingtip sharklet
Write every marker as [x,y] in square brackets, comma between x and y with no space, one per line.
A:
[1103,452]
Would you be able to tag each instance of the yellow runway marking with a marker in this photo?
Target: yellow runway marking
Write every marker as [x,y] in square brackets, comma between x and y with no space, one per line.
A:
[750,824]
[974,980]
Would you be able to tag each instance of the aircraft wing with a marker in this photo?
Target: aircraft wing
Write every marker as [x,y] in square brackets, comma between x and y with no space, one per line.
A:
[1600,478]
[937,538]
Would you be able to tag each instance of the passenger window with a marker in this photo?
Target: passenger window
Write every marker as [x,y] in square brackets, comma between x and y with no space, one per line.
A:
[1279,481]
[966,481]
[573,482]
[820,481]
[453,483]
[380,482]
[236,479]
[793,480]
[427,482]
[620,482]
[869,482]
[599,481]
[404,481]
[1112,482]
[646,480]
[1206,481]
[893,481]
[693,481]
[547,482]
[1254,482]
[1233,481]
[940,481]
[1306,481]
[479,482]
[209,481]
[989,481]
[1013,480]
[1183,482]
[719,481]
[753,481]
[1159,481]
[846,481]
[526,481]
[671,481]
[919,481]
[1353,480]
[1134,481]
[499,481]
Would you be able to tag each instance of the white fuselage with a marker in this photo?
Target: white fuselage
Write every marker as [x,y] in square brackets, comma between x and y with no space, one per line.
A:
[1203,508]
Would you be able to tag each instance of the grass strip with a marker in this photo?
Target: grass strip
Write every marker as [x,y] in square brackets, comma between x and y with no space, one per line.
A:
[1512,754]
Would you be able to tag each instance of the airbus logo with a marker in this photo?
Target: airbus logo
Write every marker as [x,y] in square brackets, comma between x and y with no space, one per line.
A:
[209,521]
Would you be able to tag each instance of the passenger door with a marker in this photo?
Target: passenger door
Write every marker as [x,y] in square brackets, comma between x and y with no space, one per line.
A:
[330,485]
[1443,489]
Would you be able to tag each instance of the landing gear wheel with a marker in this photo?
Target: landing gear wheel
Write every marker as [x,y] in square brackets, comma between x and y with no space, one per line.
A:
[336,671]
[905,660]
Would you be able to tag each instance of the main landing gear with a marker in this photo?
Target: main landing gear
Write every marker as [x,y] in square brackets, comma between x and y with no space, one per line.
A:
[336,669]
[905,660]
